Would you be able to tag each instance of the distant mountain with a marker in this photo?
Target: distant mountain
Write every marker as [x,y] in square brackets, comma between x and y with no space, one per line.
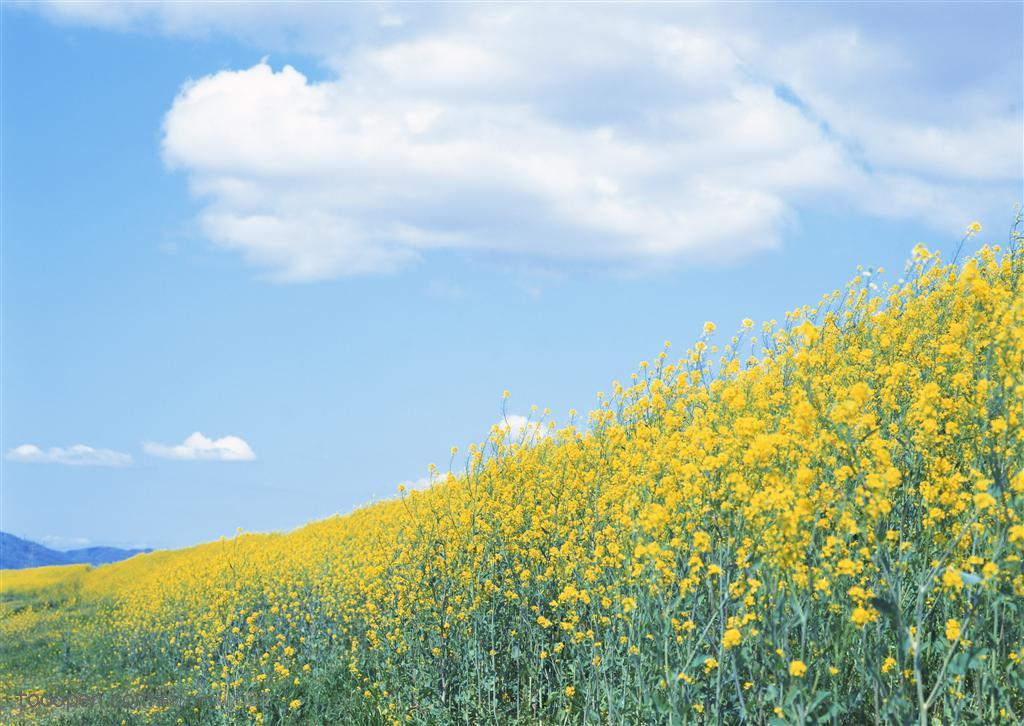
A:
[101,555]
[17,554]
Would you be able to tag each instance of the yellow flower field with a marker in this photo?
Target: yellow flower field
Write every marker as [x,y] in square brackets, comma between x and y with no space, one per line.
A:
[822,520]
[25,581]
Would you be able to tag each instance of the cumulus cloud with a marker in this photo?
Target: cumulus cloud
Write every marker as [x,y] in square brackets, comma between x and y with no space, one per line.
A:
[660,134]
[77,455]
[198,447]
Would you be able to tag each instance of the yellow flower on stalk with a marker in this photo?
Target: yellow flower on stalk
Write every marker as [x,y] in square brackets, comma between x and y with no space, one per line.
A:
[731,638]
[807,331]
[952,630]
[797,668]
[952,580]
[295,705]
[984,500]
[570,691]
[861,616]
[846,566]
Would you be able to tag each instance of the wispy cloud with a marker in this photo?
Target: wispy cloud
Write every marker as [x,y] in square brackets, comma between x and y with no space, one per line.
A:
[199,447]
[77,455]
[59,542]
[662,134]
[445,290]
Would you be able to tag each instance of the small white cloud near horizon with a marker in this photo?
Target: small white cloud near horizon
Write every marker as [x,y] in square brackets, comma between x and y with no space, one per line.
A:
[77,455]
[198,447]
[61,543]
[520,430]
[425,482]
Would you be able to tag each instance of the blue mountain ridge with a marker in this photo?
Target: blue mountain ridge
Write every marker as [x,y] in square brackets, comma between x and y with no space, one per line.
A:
[17,554]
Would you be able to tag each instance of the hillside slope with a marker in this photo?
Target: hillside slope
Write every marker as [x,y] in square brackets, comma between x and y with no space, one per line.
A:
[826,524]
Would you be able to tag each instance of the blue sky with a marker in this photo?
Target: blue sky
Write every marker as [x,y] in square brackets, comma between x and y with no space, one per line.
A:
[329,236]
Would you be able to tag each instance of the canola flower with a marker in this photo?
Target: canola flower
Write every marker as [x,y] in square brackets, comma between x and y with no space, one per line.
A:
[825,522]
[13,582]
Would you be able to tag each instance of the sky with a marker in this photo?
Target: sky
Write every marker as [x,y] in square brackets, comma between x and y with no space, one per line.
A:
[262,263]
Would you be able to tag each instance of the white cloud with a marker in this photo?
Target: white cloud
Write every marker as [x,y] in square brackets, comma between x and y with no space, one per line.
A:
[660,134]
[425,482]
[515,429]
[199,447]
[77,455]
[315,180]
[58,542]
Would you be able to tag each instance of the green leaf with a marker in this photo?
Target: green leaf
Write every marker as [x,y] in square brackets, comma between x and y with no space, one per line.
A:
[958,666]
[970,578]
[659,701]
[819,698]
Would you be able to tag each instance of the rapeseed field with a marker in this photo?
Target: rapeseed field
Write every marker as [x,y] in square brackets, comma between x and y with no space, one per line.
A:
[817,520]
